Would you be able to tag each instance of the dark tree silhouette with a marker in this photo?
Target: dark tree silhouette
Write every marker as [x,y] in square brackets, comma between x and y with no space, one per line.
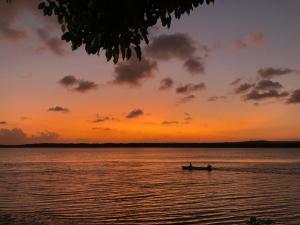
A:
[115,27]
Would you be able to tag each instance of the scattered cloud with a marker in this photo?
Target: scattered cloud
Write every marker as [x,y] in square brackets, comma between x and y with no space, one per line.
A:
[251,39]
[243,88]
[268,85]
[270,72]
[187,117]
[257,95]
[236,81]
[133,72]
[79,85]
[262,89]
[18,136]
[216,98]
[85,85]
[12,34]
[55,45]
[58,109]
[13,136]
[101,119]
[10,14]
[102,128]
[166,83]
[12,30]
[186,120]
[239,44]
[194,65]
[68,81]
[190,88]
[186,99]
[3,122]
[295,97]
[169,122]
[255,38]
[179,46]
[135,113]
[168,46]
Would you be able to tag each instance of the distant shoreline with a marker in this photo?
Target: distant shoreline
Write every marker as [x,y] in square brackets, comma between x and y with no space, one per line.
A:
[242,144]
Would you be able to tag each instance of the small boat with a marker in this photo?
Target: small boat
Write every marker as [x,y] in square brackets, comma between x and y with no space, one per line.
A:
[207,168]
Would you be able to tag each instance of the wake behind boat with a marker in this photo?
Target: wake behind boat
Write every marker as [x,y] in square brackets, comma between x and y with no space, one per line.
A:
[191,167]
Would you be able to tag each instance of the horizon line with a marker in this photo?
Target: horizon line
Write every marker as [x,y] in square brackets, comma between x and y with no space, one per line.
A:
[225,144]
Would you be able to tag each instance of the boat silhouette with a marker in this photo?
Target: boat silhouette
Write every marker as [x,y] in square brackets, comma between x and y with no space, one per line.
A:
[191,167]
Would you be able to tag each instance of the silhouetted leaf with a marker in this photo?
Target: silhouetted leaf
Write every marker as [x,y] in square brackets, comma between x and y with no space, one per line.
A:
[138,52]
[113,25]
[128,53]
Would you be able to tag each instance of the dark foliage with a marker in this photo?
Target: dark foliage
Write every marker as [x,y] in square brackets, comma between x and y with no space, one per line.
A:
[115,27]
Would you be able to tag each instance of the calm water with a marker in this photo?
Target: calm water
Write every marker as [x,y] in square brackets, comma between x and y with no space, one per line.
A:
[147,186]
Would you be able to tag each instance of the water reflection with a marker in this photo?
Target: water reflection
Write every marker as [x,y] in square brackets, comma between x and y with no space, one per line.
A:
[148,186]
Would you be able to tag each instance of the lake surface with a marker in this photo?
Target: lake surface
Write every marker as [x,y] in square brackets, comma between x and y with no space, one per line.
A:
[148,186]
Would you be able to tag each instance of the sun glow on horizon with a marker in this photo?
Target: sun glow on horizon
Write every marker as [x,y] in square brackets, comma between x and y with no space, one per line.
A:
[232,80]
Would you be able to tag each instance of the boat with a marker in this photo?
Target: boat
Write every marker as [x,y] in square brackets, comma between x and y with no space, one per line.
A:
[207,168]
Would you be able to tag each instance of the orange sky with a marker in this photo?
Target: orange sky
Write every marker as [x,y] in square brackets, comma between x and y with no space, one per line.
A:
[201,54]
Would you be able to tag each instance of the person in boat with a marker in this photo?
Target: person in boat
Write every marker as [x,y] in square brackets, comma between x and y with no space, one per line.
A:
[190,166]
[209,167]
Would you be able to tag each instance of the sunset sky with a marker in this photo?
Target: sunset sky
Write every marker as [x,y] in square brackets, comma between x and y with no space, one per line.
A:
[226,72]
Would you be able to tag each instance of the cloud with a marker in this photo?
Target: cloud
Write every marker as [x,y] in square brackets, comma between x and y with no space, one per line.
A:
[263,89]
[257,95]
[168,46]
[194,65]
[133,72]
[295,97]
[268,85]
[239,44]
[269,72]
[10,14]
[166,83]
[216,98]
[236,81]
[13,34]
[58,109]
[100,119]
[55,45]
[43,137]
[255,38]
[3,122]
[68,80]
[243,88]
[178,46]
[79,85]
[102,128]
[186,120]
[251,39]
[186,99]
[187,117]
[189,88]
[84,86]
[13,136]
[135,113]
[169,122]
[18,136]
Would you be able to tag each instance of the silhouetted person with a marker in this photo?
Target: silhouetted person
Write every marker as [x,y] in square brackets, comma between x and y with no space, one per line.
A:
[190,165]
[209,167]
